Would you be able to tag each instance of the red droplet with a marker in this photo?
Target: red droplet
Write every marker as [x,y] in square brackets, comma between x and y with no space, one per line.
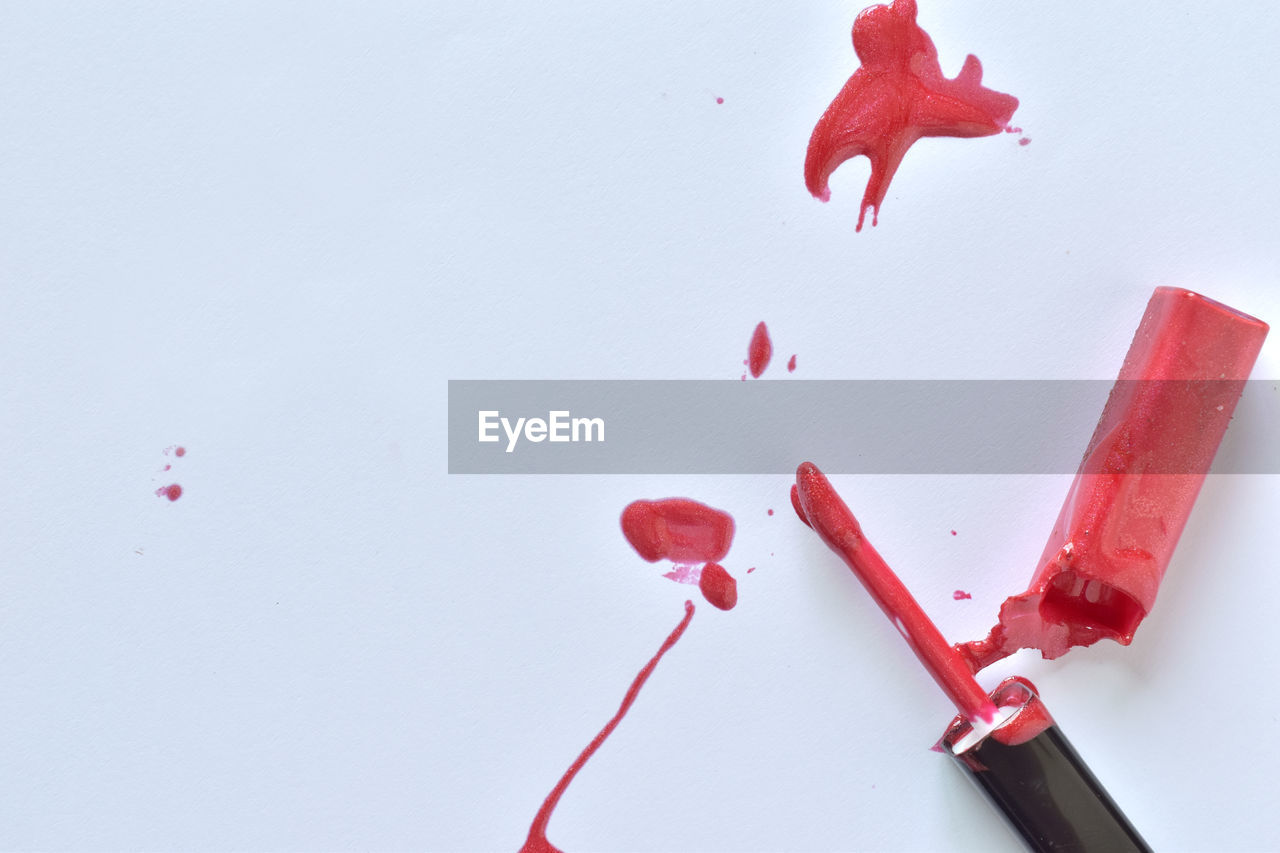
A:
[719,100]
[677,529]
[718,586]
[1026,140]
[172,492]
[953,533]
[959,594]
[770,512]
[760,350]
[167,467]
[897,96]
[537,841]
[752,569]
[181,451]
[791,365]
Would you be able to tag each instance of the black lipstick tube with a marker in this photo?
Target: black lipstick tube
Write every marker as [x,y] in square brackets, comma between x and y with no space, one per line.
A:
[1028,769]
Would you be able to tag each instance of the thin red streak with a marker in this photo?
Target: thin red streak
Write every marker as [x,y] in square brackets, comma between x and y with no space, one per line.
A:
[537,841]
[827,514]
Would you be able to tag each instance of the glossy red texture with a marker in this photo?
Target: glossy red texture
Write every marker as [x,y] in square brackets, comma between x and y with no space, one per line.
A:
[827,514]
[1137,482]
[537,840]
[1031,719]
[172,492]
[760,351]
[718,586]
[897,96]
[677,529]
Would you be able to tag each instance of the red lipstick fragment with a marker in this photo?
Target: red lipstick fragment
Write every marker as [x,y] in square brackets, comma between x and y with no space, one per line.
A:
[1137,482]
[1006,742]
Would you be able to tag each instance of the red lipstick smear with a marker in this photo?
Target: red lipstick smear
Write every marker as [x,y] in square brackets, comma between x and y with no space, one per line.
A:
[760,351]
[677,529]
[791,365]
[171,492]
[960,595]
[537,841]
[822,509]
[899,95]
[1137,483]
[718,586]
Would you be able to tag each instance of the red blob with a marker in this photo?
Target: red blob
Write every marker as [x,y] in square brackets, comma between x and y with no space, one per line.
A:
[953,533]
[719,100]
[181,451]
[677,529]
[760,350]
[718,586]
[770,512]
[537,841]
[1024,141]
[791,365]
[960,594]
[171,492]
[899,95]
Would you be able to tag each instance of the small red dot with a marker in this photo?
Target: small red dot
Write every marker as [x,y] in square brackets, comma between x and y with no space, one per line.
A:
[719,100]
[171,492]
[953,533]
[770,512]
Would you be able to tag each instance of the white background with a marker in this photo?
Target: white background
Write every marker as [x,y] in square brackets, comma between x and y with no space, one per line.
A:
[271,232]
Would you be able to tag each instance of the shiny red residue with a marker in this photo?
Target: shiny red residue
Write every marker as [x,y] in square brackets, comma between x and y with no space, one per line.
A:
[960,595]
[677,529]
[718,586]
[896,97]
[172,492]
[760,351]
[791,365]
[537,841]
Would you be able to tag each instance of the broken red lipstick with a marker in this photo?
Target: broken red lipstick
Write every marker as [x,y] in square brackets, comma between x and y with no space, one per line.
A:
[1137,482]
[1007,742]
[897,96]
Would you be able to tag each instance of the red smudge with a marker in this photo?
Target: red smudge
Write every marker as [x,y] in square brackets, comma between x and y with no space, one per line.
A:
[718,586]
[181,451]
[167,467]
[760,350]
[172,492]
[791,365]
[750,570]
[537,841]
[953,533]
[897,96]
[677,529]
[1026,140]
[684,573]
[960,594]
[837,527]
[770,512]
[1137,483]
[719,100]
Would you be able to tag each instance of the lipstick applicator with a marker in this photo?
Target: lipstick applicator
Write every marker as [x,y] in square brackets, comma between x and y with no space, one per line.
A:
[1006,742]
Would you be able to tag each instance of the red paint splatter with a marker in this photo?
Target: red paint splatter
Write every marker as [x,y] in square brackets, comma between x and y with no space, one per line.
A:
[172,492]
[718,586]
[896,97]
[537,841]
[167,467]
[760,350]
[181,451]
[953,533]
[677,529]
[960,594]
[719,100]
[1137,482]
[770,512]
[791,365]
[1026,140]
[837,527]
[684,573]
[753,568]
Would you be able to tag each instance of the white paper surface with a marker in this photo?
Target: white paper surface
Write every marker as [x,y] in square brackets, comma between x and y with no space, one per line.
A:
[272,232]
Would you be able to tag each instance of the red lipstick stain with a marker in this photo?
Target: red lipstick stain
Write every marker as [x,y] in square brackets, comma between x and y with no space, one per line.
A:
[677,529]
[791,365]
[537,841]
[960,594]
[719,100]
[172,492]
[718,586]
[896,97]
[760,351]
